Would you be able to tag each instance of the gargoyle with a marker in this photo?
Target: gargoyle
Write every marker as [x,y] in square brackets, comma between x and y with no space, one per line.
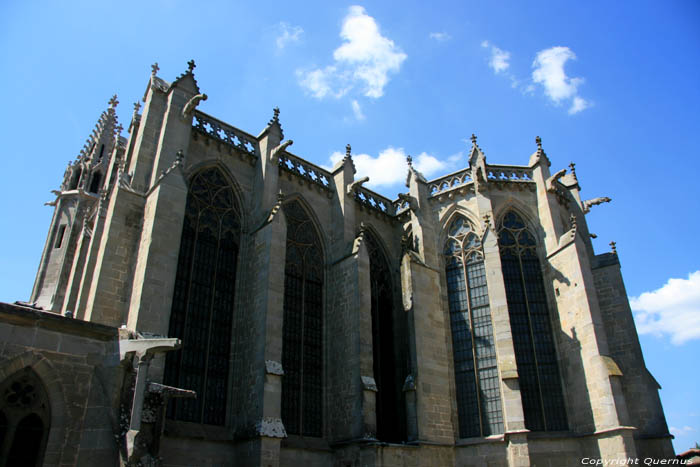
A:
[192,103]
[357,184]
[594,202]
[281,148]
[412,204]
[554,178]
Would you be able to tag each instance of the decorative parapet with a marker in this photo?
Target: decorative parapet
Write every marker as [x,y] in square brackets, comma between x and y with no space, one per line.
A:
[509,173]
[374,201]
[400,205]
[449,181]
[312,174]
[226,134]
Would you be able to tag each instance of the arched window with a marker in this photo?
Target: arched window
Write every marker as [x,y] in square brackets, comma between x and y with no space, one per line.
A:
[202,310]
[302,349]
[24,419]
[535,355]
[476,371]
[384,358]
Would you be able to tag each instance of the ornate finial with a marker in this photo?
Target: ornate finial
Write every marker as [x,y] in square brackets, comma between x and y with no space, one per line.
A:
[276,114]
[473,139]
[190,66]
[409,160]
[348,151]
[113,101]
[154,69]
[613,245]
[137,107]
[538,140]
[572,167]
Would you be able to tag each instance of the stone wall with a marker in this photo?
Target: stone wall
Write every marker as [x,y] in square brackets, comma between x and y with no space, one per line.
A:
[78,364]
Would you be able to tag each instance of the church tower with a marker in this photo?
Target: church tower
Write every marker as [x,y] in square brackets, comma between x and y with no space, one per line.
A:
[75,207]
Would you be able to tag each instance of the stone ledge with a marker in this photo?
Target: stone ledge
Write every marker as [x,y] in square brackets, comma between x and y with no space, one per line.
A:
[30,317]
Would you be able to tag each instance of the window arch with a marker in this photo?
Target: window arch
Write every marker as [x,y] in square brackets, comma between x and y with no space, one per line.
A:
[535,355]
[475,365]
[25,416]
[302,347]
[203,300]
[385,363]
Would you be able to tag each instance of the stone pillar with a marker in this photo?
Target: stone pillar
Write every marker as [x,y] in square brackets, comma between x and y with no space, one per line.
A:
[597,404]
[165,200]
[428,329]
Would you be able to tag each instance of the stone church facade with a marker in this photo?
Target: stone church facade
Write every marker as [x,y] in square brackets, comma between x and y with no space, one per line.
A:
[207,297]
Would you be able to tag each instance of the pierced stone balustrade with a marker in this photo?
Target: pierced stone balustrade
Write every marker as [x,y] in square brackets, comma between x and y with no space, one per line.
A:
[509,173]
[220,131]
[305,170]
[455,179]
[374,201]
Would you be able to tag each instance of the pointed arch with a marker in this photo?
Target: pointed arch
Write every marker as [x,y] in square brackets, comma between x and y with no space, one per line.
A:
[386,366]
[191,171]
[477,383]
[452,213]
[203,299]
[302,330]
[533,339]
[25,410]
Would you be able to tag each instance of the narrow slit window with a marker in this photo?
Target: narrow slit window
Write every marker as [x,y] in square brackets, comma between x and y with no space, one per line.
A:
[59,236]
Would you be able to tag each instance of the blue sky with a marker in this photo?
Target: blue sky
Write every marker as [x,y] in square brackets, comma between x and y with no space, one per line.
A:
[611,86]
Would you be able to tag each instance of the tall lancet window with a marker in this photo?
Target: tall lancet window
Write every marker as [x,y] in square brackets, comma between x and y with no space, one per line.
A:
[384,359]
[302,346]
[202,310]
[476,372]
[535,355]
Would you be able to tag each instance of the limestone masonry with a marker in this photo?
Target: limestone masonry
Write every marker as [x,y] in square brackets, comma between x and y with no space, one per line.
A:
[206,297]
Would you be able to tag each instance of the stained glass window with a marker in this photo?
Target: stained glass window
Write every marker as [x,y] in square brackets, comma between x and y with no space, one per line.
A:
[476,371]
[302,348]
[202,310]
[535,355]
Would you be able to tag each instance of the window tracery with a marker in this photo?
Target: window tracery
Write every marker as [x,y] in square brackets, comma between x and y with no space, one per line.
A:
[25,416]
[302,348]
[475,364]
[535,354]
[203,300]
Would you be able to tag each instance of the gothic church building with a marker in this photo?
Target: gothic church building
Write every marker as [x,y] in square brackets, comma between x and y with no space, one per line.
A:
[206,298]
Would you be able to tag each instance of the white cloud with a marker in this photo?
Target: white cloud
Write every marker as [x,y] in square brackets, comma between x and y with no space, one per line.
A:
[440,36]
[549,72]
[357,110]
[288,34]
[499,58]
[672,310]
[323,82]
[390,167]
[365,57]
